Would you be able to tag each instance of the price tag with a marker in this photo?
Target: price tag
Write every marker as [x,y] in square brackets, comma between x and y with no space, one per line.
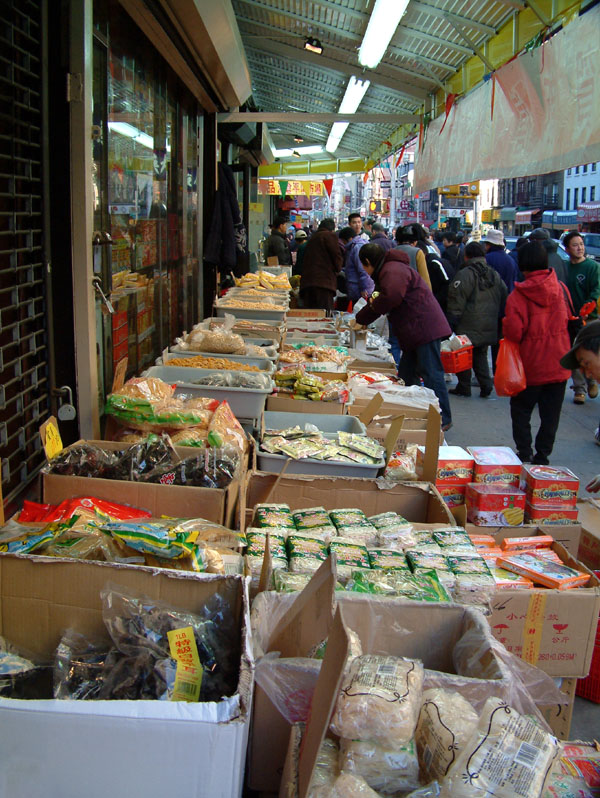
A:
[188,677]
[51,440]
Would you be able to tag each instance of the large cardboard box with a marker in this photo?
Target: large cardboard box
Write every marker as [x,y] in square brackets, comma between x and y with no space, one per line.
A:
[589,545]
[408,411]
[286,405]
[423,431]
[180,501]
[552,629]
[416,501]
[100,748]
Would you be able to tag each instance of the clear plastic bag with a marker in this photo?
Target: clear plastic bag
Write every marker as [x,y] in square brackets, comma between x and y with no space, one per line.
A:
[79,667]
[387,771]
[326,770]
[289,683]
[348,785]
[379,700]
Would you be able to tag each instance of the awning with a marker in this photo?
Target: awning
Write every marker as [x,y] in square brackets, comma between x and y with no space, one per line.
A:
[588,212]
[507,214]
[524,217]
[559,220]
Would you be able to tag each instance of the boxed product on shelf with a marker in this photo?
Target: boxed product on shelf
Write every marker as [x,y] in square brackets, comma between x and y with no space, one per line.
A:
[453,495]
[550,516]
[40,599]
[495,504]
[495,464]
[455,465]
[549,486]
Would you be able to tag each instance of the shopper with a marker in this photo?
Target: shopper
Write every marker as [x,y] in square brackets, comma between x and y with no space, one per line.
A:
[276,245]
[451,250]
[583,282]
[414,316]
[358,282]
[514,253]
[536,319]
[555,262]
[320,266]
[301,242]
[368,227]
[476,299]
[379,236]
[407,238]
[499,259]
[584,356]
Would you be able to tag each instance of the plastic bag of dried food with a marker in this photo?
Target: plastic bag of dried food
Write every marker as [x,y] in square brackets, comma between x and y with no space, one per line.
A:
[348,785]
[446,721]
[306,553]
[326,770]
[222,341]
[79,666]
[350,555]
[387,771]
[84,460]
[259,382]
[225,430]
[192,436]
[149,388]
[507,756]
[379,700]
[273,515]
[211,468]
[137,624]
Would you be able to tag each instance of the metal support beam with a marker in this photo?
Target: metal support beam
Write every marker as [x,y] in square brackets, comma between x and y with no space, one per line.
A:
[404,30]
[324,118]
[434,11]
[379,78]
[472,44]
[539,13]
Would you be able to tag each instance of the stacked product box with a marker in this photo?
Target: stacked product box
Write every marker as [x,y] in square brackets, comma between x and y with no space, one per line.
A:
[551,494]
[494,497]
[454,472]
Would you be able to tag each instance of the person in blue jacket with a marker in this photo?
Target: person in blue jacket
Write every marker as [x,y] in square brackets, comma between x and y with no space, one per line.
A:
[358,282]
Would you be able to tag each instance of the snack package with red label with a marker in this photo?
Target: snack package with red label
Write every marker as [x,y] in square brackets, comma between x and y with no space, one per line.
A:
[550,486]
[453,495]
[551,516]
[455,465]
[495,505]
[495,464]
[33,512]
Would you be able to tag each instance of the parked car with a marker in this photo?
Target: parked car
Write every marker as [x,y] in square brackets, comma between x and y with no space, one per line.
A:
[512,240]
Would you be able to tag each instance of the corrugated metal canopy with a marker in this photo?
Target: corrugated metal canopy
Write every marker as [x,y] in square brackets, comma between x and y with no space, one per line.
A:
[432,42]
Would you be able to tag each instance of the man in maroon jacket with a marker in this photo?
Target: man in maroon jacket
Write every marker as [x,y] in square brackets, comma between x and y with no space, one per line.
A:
[415,317]
[322,262]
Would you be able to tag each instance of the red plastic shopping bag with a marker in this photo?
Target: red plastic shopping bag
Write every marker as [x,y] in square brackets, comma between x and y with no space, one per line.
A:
[509,378]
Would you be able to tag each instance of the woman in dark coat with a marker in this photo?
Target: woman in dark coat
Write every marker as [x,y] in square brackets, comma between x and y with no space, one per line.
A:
[321,264]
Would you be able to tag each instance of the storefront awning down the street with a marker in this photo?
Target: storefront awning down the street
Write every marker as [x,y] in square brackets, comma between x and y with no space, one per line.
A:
[507,214]
[588,212]
[509,125]
[559,220]
[524,217]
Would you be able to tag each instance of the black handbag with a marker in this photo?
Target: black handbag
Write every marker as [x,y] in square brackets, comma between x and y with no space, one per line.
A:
[575,323]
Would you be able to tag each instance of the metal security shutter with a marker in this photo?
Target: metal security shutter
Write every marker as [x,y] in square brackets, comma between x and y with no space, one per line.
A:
[24,390]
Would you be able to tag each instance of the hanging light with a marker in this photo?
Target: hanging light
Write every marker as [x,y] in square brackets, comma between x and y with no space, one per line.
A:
[314,45]
[298,139]
[296,154]
[355,91]
[385,18]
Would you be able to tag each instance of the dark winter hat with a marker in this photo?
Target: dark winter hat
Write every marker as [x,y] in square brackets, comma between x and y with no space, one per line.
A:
[591,330]
[539,234]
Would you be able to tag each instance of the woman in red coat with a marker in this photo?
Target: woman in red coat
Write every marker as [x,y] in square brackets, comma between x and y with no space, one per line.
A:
[536,319]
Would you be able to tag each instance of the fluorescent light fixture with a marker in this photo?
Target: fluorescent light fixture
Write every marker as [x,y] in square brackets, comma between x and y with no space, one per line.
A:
[314,45]
[132,132]
[298,139]
[296,154]
[385,18]
[355,91]
[313,149]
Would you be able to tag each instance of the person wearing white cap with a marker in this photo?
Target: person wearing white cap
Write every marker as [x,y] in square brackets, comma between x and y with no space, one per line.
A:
[301,241]
[497,257]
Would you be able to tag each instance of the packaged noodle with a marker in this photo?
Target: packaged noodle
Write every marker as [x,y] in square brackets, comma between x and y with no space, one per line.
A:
[348,517]
[288,582]
[349,555]
[387,771]
[361,443]
[225,430]
[270,515]
[385,559]
[326,770]
[421,586]
[349,785]
[311,518]
[507,756]
[446,721]
[379,700]
[306,552]
[384,520]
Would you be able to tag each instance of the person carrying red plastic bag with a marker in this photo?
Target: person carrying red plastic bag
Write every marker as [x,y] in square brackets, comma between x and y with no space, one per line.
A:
[536,320]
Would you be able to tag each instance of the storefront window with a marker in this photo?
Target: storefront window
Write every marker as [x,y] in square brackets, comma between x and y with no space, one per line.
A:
[146,185]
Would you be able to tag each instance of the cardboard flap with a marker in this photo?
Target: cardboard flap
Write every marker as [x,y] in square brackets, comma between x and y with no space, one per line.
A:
[370,411]
[432,445]
[308,620]
[392,437]
[323,702]
[460,514]
[267,567]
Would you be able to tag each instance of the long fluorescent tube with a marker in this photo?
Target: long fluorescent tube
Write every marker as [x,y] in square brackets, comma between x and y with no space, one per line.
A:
[385,18]
[133,133]
[355,91]
[312,149]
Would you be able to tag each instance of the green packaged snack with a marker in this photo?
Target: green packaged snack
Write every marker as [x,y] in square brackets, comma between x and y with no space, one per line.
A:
[384,559]
[287,582]
[272,515]
[383,520]
[274,444]
[300,448]
[311,517]
[306,553]
[328,451]
[363,444]
[257,541]
[451,537]
[425,586]
[350,554]
[468,565]
[348,517]
[419,559]
[356,457]
[446,578]
[289,433]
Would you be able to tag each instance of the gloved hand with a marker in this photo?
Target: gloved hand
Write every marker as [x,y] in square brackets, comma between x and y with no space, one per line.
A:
[594,485]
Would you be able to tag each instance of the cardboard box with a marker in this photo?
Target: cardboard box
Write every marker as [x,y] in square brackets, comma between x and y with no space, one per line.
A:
[426,431]
[559,716]
[589,546]
[115,745]
[552,629]
[408,411]
[416,501]
[180,501]
[394,626]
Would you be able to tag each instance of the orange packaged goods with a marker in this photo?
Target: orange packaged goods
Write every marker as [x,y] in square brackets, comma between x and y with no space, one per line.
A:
[550,486]
[543,571]
[455,465]
[495,464]
[550,516]
[528,543]
[492,553]
[482,541]
[495,505]
[453,495]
